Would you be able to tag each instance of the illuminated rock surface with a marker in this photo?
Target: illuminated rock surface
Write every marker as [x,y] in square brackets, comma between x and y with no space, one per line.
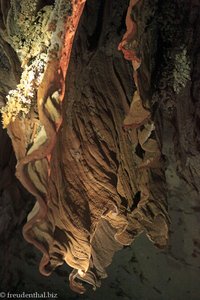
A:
[98,199]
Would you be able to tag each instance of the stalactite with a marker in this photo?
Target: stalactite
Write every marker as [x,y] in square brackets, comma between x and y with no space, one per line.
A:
[89,159]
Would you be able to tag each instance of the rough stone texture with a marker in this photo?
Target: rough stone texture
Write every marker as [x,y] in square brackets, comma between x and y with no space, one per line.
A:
[139,271]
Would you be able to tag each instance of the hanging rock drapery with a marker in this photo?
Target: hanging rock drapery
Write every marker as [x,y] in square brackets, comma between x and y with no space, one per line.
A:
[94,193]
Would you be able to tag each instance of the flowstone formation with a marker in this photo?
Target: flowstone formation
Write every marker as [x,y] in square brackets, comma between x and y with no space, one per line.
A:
[93,162]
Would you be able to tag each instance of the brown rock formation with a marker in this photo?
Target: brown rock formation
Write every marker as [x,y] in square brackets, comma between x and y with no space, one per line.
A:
[90,155]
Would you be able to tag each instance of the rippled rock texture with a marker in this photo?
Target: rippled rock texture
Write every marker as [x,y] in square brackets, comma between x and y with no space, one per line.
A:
[103,149]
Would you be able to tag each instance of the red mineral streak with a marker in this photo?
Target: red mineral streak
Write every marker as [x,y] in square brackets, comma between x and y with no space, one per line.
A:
[130,54]
[131,33]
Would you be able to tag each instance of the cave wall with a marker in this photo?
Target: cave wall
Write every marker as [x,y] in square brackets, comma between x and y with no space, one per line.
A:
[140,271]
